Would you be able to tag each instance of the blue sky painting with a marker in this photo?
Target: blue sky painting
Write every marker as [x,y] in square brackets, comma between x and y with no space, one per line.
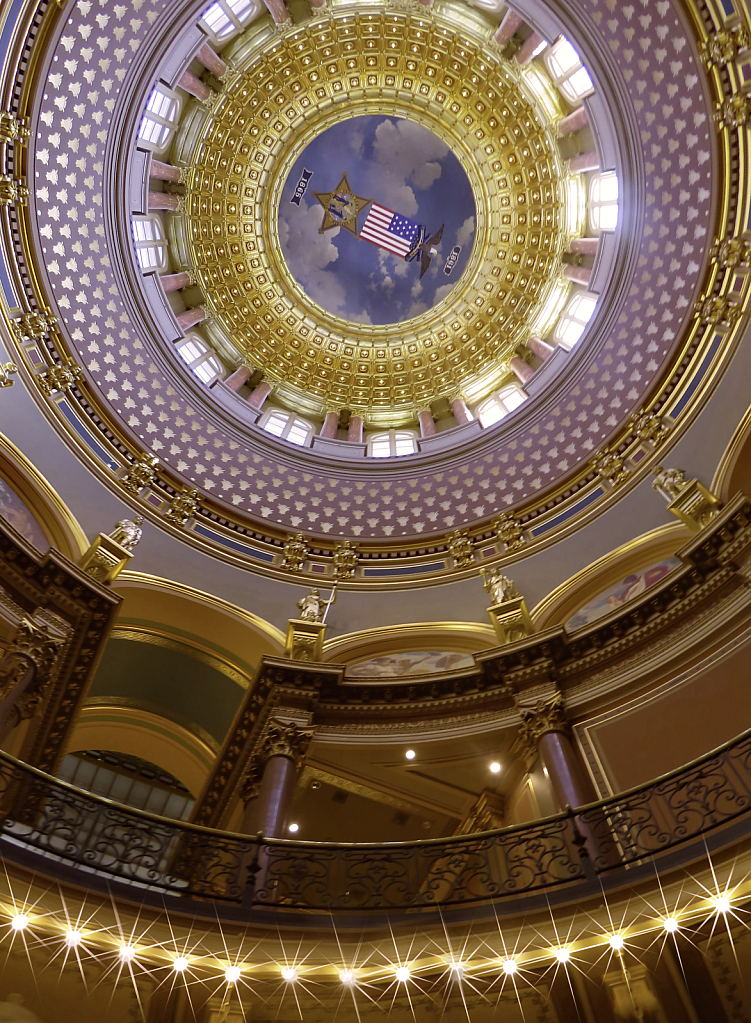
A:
[403,166]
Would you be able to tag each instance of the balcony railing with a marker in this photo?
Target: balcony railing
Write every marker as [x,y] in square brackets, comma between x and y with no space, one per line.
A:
[42,815]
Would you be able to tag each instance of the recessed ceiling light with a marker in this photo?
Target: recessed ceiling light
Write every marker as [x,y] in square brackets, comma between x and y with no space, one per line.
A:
[410,754]
[617,942]
[20,922]
[495,767]
[232,974]
[402,974]
[294,828]
[289,973]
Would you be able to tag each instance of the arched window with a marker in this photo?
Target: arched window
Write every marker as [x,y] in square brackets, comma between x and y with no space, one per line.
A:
[392,443]
[194,351]
[499,405]
[575,318]
[226,17]
[148,238]
[160,118]
[286,426]
[602,206]
[566,70]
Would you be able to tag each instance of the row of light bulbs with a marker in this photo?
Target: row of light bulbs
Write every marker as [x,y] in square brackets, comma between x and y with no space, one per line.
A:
[402,974]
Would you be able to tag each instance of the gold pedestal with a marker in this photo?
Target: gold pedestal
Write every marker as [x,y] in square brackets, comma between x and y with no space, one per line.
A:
[105,559]
[695,505]
[304,640]
[511,620]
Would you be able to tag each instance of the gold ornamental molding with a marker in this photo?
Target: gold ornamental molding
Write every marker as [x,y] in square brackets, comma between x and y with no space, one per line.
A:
[283,93]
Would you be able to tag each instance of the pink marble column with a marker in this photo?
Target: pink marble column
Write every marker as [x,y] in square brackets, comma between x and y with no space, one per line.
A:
[529,49]
[577,274]
[163,201]
[571,787]
[540,348]
[268,812]
[163,171]
[584,162]
[585,246]
[427,423]
[23,672]
[330,426]
[211,61]
[173,282]
[277,10]
[191,317]
[259,394]
[235,380]
[521,369]
[511,22]
[354,430]
[462,414]
[194,86]
[574,122]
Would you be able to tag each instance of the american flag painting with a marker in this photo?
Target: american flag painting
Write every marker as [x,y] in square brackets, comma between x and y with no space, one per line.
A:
[389,230]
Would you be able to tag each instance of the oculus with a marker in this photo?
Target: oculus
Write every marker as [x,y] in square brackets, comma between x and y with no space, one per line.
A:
[385,223]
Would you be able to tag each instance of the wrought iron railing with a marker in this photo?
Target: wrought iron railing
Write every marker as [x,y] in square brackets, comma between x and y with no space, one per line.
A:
[41,815]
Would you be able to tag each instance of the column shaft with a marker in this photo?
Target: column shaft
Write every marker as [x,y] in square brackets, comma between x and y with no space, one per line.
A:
[540,348]
[268,812]
[584,162]
[163,201]
[163,171]
[211,61]
[521,369]
[330,426]
[462,414]
[577,274]
[277,10]
[511,22]
[24,672]
[173,282]
[259,394]
[529,49]
[570,785]
[574,122]
[354,431]
[585,246]
[235,380]
[191,317]
[427,423]
[194,86]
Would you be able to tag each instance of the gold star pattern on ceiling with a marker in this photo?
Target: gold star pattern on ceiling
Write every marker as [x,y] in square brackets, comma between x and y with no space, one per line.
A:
[341,207]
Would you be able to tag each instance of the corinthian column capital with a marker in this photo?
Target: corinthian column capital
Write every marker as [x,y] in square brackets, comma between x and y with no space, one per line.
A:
[547,715]
[285,739]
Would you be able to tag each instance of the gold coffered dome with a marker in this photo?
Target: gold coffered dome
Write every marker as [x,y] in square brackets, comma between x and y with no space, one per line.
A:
[282,95]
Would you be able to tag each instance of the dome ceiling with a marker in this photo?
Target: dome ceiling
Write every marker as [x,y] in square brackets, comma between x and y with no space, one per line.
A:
[137,397]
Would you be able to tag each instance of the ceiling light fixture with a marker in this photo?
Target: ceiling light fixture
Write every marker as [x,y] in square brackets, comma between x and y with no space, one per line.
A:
[289,973]
[19,922]
[294,828]
[721,904]
[410,754]
[616,942]
[402,974]
[232,974]
[73,938]
[180,964]
[495,767]
[510,967]
[562,954]
[126,953]
[348,977]
[670,924]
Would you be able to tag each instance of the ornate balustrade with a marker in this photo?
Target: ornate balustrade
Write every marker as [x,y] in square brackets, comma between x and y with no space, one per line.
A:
[41,815]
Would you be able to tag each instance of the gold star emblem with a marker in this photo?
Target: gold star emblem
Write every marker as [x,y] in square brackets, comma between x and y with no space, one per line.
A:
[341,207]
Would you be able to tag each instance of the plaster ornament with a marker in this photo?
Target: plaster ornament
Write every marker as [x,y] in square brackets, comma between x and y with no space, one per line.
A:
[141,474]
[499,586]
[295,553]
[60,377]
[668,482]
[345,560]
[734,112]
[509,531]
[11,129]
[311,607]
[730,253]
[719,311]
[722,47]
[12,191]
[461,548]
[182,507]
[610,466]
[649,426]
[7,369]
[128,532]
[33,325]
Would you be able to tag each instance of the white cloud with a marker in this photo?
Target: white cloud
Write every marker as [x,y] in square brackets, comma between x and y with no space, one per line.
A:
[361,317]
[408,154]
[465,232]
[416,289]
[440,293]
[308,253]
[416,308]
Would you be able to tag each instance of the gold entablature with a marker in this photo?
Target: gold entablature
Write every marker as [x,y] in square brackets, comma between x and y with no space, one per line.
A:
[288,90]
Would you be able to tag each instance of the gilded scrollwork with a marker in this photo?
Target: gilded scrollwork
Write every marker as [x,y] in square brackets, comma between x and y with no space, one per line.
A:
[611,466]
[650,427]
[141,474]
[60,377]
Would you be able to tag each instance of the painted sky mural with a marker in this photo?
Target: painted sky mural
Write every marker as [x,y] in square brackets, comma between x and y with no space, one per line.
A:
[402,166]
